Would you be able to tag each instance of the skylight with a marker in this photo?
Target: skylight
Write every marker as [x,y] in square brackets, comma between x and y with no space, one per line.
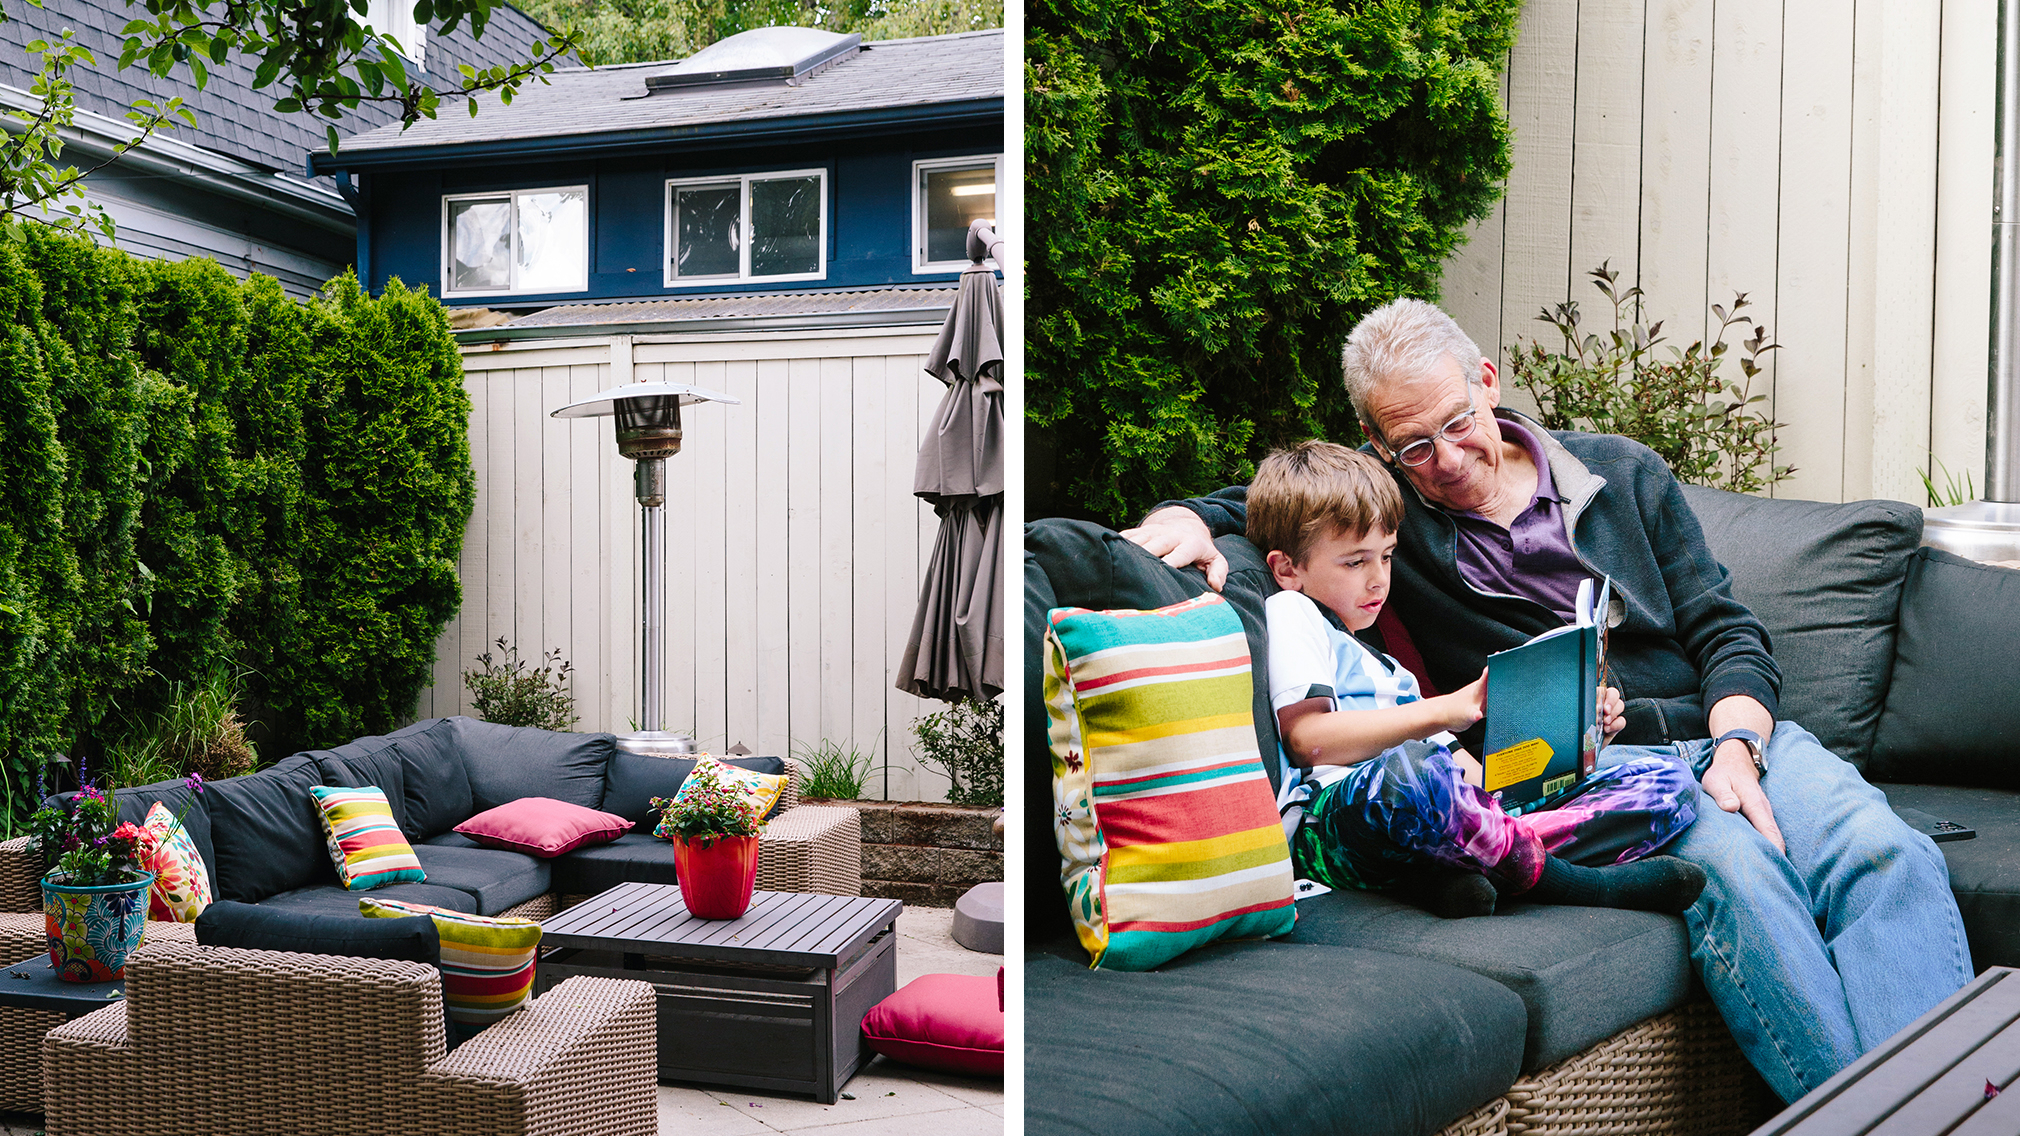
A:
[786,55]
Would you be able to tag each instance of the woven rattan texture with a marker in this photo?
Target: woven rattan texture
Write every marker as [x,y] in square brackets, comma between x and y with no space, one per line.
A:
[1490,1119]
[1675,1074]
[814,848]
[536,909]
[20,877]
[219,1041]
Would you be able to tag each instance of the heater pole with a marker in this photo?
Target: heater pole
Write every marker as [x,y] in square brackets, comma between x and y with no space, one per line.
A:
[650,483]
[2002,407]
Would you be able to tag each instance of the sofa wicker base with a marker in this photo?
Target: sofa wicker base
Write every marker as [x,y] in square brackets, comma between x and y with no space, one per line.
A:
[1675,1074]
[1490,1119]
[219,1041]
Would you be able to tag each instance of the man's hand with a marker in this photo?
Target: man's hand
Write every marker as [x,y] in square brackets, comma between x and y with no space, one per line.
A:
[1177,536]
[1732,780]
[1612,712]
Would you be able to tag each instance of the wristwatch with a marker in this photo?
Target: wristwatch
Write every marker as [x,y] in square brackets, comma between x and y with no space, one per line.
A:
[1753,748]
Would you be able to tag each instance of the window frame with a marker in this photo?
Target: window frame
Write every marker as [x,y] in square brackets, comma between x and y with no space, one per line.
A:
[411,34]
[743,183]
[920,265]
[512,196]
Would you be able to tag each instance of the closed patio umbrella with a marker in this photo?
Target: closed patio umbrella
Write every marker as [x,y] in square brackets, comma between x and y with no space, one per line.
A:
[955,650]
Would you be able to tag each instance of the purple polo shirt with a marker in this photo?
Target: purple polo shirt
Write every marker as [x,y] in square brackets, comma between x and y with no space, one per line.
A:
[1532,557]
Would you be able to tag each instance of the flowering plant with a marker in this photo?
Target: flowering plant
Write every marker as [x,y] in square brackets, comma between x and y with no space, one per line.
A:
[87,845]
[706,809]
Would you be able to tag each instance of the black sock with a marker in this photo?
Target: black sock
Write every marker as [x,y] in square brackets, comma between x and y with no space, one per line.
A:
[1659,883]
[1448,893]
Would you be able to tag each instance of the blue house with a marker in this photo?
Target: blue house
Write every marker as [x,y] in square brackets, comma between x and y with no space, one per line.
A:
[772,166]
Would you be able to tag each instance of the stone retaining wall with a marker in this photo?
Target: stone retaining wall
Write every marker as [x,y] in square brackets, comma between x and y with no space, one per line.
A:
[924,853]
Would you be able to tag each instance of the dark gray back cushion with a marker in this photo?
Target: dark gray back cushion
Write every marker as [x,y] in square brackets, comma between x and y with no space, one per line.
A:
[436,780]
[373,760]
[1951,718]
[1826,580]
[634,779]
[510,762]
[268,832]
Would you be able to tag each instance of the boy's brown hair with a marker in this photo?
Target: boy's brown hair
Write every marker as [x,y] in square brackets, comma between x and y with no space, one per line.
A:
[1316,488]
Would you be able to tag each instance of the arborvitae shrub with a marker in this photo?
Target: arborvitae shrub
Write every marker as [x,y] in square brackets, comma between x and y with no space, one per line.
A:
[197,473]
[1215,191]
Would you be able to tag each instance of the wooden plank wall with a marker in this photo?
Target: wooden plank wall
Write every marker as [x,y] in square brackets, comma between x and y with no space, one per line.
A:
[1831,159]
[795,546]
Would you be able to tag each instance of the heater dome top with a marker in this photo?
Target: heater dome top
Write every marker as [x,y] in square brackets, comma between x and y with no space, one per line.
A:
[604,403]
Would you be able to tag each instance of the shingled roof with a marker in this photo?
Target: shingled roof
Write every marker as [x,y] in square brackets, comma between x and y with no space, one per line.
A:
[232,118]
[938,73]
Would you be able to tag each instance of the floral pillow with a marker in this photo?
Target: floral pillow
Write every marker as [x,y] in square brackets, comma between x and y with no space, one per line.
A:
[181,884]
[761,789]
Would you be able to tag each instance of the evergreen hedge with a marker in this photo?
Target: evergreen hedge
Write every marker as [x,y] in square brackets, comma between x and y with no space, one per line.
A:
[197,471]
[1215,191]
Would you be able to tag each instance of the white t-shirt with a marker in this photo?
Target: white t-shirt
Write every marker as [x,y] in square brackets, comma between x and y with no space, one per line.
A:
[1311,658]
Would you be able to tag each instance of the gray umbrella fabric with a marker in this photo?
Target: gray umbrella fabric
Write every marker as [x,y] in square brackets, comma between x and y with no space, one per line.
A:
[955,650]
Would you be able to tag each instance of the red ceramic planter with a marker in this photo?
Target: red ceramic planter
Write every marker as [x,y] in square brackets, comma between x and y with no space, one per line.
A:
[716,876]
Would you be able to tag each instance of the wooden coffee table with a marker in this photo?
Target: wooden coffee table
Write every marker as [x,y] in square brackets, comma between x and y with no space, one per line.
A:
[774,1000]
[1929,1078]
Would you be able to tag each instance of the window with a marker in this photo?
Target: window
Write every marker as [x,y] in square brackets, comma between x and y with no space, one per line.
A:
[947,194]
[395,19]
[530,240]
[753,227]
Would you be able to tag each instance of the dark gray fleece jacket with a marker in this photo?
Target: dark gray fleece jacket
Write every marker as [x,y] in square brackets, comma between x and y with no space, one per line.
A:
[1679,640]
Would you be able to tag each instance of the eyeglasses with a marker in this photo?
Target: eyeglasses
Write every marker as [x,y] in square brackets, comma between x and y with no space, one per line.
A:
[1455,431]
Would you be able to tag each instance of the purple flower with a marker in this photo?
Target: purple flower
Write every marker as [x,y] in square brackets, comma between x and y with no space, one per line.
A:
[194,781]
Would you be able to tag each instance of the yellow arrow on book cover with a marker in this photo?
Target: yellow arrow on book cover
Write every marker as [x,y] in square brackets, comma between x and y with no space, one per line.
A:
[1517,763]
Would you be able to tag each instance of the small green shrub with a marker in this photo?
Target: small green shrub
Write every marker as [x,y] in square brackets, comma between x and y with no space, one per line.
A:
[1675,403]
[1956,490]
[966,741]
[834,769]
[507,691]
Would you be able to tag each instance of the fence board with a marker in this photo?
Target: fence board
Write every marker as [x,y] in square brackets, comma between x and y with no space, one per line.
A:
[1964,161]
[1542,83]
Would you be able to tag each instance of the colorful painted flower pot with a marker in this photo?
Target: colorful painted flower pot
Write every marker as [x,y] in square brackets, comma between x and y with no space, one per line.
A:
[93,929]
[716,875]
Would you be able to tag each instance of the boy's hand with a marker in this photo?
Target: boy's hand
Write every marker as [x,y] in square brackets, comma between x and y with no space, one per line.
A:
[1612,712]
[1466,705]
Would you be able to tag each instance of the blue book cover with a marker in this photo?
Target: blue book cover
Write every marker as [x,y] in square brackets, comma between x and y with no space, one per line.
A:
[1543,728]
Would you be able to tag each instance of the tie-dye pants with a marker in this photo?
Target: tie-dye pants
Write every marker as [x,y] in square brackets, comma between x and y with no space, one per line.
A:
[1411,807]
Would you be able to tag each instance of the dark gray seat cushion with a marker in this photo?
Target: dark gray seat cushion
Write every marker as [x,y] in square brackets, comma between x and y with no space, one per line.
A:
[333,899]
[506,763]
[268,833]
[1263,1039]
[633,780]
[1826,581]
[1985,871]
[1952,716]
[264,927]
[1584,973]
[635,857]
[497,879]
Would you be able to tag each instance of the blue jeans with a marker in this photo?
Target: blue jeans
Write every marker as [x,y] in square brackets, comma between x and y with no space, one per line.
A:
[1815,957]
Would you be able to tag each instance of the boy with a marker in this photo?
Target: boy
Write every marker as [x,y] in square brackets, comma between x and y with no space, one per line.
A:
[1385,800]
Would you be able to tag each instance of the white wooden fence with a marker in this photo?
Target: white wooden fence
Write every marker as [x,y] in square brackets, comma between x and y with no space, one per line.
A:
[795,545]
[1833,160]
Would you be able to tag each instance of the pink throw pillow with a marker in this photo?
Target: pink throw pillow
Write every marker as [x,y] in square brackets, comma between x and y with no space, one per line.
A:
[941,1021]
[542,826]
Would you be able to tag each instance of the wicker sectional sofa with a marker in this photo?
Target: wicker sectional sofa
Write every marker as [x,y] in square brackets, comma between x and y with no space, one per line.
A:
[1380,1019]
[262,841]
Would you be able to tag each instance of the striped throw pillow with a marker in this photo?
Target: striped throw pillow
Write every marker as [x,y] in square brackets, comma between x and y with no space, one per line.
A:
[1165,820]
[365,841]
[487,962]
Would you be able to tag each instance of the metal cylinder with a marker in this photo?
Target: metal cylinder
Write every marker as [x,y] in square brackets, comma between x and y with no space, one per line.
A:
[652,612]
[2002,407]
[648,482]
[648,427]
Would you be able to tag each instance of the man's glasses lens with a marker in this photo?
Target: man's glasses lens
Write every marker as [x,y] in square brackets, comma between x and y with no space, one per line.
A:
[1455,431]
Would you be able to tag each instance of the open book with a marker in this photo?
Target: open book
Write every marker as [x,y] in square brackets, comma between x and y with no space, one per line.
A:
[1543,727]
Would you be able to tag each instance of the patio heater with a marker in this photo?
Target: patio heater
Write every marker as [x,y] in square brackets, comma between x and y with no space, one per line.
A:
[1990,529]
[648,432]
